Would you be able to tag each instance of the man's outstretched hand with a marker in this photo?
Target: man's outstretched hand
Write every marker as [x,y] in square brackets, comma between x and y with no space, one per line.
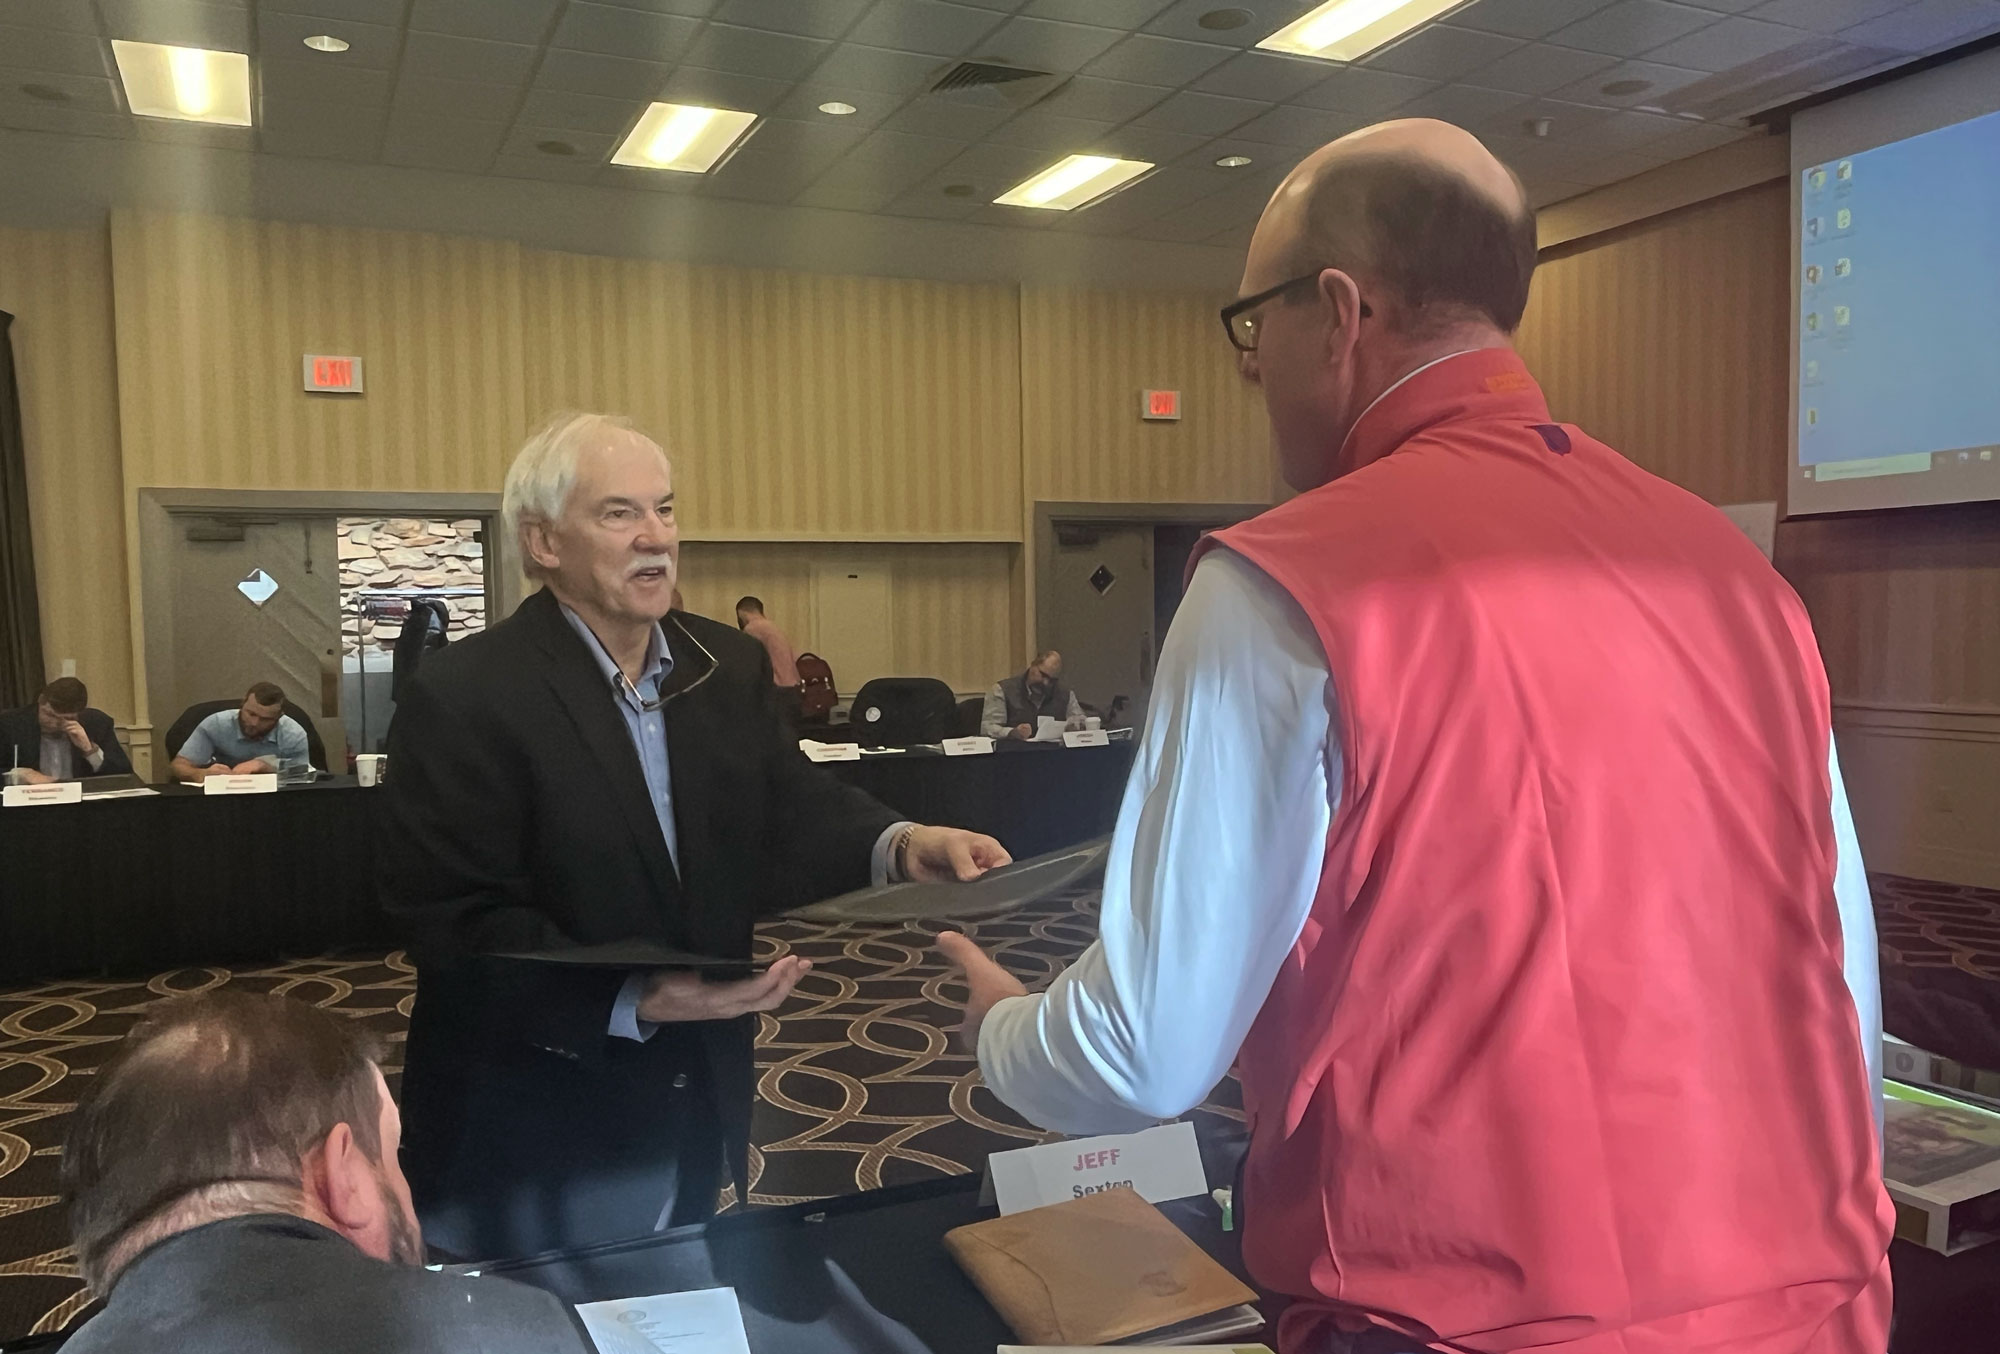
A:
[670,996]
[986,982]
[939,855]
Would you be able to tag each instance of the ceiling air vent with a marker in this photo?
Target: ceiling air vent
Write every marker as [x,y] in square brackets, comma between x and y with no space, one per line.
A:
[993,83]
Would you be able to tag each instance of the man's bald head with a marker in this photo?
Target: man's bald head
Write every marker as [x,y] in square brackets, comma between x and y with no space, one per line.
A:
[1419,212]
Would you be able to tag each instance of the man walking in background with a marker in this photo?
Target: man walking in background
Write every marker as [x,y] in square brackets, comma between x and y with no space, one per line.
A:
[1487,819]
[752,621]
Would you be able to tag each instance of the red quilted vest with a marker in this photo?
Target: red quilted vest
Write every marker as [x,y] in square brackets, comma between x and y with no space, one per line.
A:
[1564,1056]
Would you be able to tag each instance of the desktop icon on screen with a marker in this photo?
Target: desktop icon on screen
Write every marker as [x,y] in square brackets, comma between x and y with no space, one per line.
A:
[1843,218]
[1812,227]
[1845,172]
[1842,267]
[1812,274]
[1812,418]
[1812,323]
[1840,316]
[1816,177]
[1812,371]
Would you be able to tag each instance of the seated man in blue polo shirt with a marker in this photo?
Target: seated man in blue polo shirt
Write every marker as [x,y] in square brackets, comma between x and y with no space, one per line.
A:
[255,737]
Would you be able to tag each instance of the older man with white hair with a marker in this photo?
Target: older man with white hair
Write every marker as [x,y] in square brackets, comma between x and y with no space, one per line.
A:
[595,769]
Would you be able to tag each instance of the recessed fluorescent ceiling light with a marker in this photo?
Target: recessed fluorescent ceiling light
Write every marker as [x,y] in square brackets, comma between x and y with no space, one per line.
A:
[1342,30]
[1072,181]
[682,137]
[326,42]
[192,84]
[837,109]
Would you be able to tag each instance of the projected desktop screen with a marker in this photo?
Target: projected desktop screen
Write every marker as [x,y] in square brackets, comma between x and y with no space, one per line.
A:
[1898,322]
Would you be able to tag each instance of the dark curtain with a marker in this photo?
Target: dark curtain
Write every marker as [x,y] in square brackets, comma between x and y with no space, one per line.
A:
[20,613]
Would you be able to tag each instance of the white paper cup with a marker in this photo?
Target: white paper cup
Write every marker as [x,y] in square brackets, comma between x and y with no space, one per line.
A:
[368,767]
[1092,722]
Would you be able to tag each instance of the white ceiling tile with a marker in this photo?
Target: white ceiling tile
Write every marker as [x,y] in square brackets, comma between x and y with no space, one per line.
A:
[1617,168]
[820,19]
[1442,52]
[467,100]
[45,49]
[1266,158]
[1729,44]
[846,197]
[608,77]
[1174,228]
[1202,114]
[445,143]
[910,154]
[992,169]
[1566,122]
[1108,13]
[1046,45]
[932,27]
[1696,138]
[284,36]
[553,167]
[1632,27]
[1155,145]
[1263,75]
[762,177]
[888,179]
[495,63]
[1046,131]
[814,142]
[1927,25]
[610,31]
[803,104]
[751,51]
[308,82]
[1359,89]
[1824,16]
[1540,67]
[1524,18]
[524,141]
[387,12]
[348,134]
[1621,131]
[169,132]
[1113,215]
[858,69]
[1726,6]
[1288,125]
[64,14]
[580,112]
[80,93]
[1102,100]
[944,115]
[696,9]
[930,201]
[1463,105]
[513,21]
[1013,218]
[182,23]
[667,181]
[1660,82]
[1147,60]
[724,89]
[1183,20]
[27,116]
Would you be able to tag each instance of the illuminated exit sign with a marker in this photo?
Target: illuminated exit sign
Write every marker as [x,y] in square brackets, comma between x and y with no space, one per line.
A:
[333,375]
[1160,405]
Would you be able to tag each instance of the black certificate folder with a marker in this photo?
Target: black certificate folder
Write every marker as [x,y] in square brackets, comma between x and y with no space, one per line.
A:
[1006,889]
[638,954]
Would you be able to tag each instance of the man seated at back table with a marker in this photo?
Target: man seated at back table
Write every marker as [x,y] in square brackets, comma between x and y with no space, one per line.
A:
[60,737]
[257,736]
[232,1185]
[1015,706]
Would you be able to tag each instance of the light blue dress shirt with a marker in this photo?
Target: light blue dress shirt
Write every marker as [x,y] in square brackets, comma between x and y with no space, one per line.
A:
[219,740]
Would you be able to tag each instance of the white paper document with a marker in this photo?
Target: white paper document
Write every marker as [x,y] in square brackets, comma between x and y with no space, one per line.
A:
[705,1322]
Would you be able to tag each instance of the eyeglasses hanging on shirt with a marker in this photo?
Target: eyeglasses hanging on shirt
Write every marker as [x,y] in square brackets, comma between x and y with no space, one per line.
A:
[621,683]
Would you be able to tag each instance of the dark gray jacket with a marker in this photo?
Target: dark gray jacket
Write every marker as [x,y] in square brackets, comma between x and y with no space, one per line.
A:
[275,1284]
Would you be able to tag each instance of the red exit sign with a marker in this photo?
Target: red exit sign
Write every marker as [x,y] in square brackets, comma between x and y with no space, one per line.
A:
[1160,405]
[333,375]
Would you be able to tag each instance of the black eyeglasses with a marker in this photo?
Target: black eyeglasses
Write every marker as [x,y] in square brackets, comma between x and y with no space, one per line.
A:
[623,683]
[1240,319]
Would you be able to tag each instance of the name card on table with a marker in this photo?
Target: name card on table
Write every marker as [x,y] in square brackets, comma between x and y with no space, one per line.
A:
[1160,1164]
[28,796]
[1086,738]
[260,783]
[830,752]
[967,747]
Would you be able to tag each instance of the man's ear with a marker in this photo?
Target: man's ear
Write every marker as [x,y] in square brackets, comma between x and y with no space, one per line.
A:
[540,542]
[340,1183]
[1340,303]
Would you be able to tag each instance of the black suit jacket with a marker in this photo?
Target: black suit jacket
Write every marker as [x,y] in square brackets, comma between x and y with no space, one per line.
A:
[21,742]
[275,1284]
[519,820]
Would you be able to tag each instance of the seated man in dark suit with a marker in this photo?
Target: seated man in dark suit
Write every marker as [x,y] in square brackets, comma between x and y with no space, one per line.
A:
[60,737]
[597,768]
[232,1188]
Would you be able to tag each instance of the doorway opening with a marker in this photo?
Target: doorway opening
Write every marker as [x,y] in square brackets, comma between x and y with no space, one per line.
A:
[394,569]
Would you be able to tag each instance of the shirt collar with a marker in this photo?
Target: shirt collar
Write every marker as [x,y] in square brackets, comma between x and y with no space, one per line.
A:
[659,659]
[1489,381]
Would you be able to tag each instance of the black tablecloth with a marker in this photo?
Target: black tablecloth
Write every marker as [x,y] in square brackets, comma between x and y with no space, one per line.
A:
[128,887]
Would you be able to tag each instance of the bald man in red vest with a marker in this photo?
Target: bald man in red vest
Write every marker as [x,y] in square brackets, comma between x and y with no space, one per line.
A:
[1487,819]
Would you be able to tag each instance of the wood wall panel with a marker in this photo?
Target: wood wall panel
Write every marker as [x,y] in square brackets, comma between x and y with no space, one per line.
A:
[796,406]
[1085,356]
[954,612]
[57,286]
[215,314]
[1669,340]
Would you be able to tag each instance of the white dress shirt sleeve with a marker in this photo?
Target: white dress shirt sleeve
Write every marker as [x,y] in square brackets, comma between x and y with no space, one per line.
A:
[1213,869]
[1861,961]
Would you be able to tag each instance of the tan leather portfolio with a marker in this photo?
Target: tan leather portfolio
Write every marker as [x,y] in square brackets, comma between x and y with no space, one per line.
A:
[1092,1271]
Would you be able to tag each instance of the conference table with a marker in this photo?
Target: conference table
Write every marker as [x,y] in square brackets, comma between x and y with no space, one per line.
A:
[126,887]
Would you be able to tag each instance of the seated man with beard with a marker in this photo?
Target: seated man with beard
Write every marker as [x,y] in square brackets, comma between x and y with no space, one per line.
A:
[232,1185]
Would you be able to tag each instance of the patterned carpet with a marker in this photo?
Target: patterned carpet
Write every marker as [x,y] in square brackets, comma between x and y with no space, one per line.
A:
[860,1087]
